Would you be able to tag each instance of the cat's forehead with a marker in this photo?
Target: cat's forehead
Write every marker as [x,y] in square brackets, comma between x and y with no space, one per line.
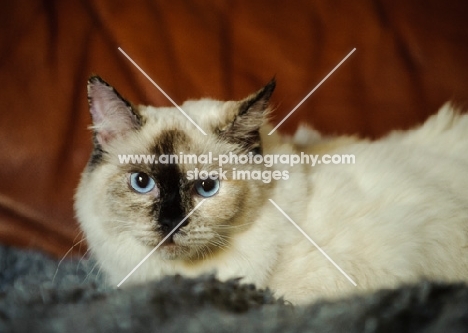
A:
[168,131]
[206,113]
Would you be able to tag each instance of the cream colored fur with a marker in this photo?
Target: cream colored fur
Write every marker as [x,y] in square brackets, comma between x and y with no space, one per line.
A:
[399,214]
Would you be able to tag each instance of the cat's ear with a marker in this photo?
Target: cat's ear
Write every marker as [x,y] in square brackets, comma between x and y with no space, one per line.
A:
[112,115]
[249,115]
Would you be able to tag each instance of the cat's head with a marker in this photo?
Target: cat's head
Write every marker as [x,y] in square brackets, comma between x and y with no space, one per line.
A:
[142,202]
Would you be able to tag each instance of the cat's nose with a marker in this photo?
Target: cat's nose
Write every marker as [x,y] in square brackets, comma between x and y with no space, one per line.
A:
[170,223]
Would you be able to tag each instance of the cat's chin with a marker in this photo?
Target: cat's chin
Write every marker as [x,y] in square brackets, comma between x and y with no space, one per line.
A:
[172,251]
[173,248]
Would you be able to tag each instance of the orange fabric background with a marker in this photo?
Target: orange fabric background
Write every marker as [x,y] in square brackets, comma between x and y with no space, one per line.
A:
[411,57]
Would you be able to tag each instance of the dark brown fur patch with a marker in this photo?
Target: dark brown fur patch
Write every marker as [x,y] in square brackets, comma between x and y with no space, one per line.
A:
[96,155]
[251,115]
[175,200]
[258,100]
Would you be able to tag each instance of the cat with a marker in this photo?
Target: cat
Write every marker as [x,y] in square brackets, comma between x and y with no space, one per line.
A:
[398,214]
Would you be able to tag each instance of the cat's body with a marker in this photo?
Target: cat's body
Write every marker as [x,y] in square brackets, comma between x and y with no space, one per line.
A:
[398,214]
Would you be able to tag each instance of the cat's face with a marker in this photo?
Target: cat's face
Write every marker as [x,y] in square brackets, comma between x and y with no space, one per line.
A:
[143,202]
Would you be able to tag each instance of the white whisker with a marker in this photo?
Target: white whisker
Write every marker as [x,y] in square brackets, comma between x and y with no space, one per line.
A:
[90,272]
[63,258]
[227,226]
[81,259]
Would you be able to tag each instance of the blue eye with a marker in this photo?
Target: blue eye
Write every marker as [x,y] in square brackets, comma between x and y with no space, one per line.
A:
[141,182]
[207,187]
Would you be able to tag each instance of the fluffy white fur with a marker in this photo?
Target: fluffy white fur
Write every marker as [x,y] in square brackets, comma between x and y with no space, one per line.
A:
[399,214]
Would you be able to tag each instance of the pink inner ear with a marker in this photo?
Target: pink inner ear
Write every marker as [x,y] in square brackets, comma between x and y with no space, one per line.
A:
[110,113]
[95,95]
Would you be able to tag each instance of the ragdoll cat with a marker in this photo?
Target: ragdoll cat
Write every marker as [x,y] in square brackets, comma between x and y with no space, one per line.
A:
[398,214]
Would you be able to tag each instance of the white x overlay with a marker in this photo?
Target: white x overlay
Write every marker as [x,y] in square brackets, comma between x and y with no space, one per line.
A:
[313,243]
[271,132]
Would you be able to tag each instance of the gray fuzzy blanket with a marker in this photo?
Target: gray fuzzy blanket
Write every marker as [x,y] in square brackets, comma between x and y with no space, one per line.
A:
[77,300]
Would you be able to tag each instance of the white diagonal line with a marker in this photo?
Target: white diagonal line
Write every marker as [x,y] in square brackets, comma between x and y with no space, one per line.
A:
[165,238]
[162,91]
[308,95]
[313,243]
